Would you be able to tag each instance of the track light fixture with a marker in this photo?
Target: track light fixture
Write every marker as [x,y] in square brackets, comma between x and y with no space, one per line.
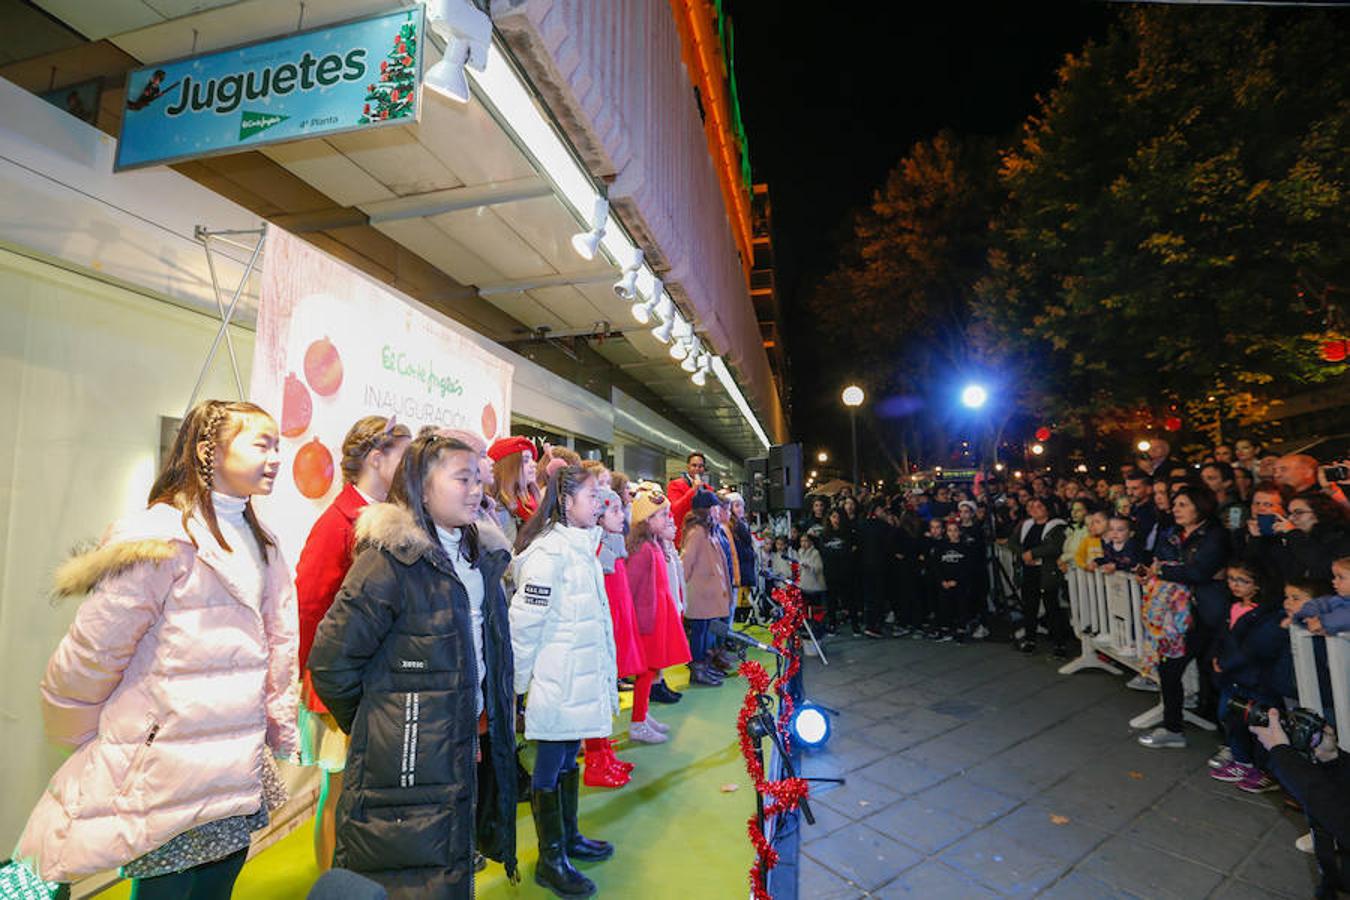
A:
[467,33]
[643,311]
[586,242]
[663,331]
[690,362]
[626,286]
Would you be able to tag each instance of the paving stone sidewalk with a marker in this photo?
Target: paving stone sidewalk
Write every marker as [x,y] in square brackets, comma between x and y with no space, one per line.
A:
[974,771]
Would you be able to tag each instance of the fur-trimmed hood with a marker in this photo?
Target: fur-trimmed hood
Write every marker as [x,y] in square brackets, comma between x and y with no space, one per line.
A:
[392,528]
[153,535]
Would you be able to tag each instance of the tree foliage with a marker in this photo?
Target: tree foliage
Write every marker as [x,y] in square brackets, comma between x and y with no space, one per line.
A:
[1177,219]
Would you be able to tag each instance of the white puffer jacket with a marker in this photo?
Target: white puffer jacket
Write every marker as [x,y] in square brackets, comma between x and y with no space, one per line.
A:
[563,637]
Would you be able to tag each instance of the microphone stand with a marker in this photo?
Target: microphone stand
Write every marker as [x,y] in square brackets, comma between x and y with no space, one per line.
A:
[806,620]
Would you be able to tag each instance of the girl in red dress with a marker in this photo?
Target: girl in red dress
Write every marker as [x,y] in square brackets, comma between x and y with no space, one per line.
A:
[370,454]
[659,627]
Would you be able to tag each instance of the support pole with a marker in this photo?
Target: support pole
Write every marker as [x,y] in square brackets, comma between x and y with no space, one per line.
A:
[226,315]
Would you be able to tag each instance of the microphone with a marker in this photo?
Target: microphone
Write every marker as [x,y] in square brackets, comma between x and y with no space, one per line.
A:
[719,628]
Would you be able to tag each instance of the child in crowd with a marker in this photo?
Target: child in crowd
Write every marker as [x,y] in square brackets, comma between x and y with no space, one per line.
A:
[708,587]
[563,639]
[1254,662]
[371,453]
[1120,550]
[782,559]
[514,474]
[1331,614]
[929,544]
[664,533]
[1298,592]
[1090,547]
[603,769]
[958,573]
[660,635]
[811,577]
[175,680]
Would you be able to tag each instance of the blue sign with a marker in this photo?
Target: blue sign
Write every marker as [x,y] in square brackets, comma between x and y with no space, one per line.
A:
[360,74]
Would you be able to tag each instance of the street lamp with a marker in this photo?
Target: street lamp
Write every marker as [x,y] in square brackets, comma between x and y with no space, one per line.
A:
[1037,449]
[853,397]
[822,456]
[973,396]
[1143,446]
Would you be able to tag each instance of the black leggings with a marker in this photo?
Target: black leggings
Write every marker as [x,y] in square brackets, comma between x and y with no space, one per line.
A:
[552,759]
[209,881]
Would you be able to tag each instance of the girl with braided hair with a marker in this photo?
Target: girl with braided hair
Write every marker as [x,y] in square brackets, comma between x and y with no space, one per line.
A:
[173,685]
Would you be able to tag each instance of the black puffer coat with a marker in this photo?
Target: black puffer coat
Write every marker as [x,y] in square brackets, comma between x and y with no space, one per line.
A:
[393,660]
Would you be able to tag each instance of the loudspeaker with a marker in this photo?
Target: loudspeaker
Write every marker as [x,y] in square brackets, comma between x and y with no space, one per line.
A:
[785,476]
[757,501]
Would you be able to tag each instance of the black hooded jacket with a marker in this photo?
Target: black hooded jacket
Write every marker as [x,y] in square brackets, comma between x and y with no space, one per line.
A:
[393,660]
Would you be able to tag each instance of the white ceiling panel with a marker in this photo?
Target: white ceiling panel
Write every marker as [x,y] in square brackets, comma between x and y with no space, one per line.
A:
[529,312]
[330,172]
[395,158]
[489,238]
[432,244]
[548,227]
[568,304]
[469,142]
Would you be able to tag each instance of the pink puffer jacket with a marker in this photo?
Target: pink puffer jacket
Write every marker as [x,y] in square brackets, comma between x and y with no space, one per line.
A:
[171,687]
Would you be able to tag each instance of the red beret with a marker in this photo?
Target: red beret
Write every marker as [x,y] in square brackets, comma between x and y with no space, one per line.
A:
[504,447]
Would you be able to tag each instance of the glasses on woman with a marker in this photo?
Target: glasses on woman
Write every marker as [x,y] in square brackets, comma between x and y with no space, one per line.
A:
[1240,579]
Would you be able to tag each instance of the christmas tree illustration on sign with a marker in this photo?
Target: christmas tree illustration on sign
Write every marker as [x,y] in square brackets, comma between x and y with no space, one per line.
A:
[393,95]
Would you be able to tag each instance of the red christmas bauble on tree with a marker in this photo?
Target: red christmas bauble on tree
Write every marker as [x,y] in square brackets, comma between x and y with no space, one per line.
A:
[1042,433]
[296,407]
[1171,423]
[323,367]
[489,422]
[312,469]
[1335,351]
[393,96]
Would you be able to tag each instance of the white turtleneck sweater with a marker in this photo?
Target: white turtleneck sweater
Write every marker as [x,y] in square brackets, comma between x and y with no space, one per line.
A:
[472,579]
[245,561]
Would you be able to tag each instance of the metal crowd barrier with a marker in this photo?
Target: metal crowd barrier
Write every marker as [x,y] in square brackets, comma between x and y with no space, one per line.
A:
[1107,615]
[1310,677]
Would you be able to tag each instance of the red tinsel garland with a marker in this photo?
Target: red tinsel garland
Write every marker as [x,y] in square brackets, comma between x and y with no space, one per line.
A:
[787,793]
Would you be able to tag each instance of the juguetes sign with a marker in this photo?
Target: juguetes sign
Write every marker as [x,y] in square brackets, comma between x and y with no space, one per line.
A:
[360,74]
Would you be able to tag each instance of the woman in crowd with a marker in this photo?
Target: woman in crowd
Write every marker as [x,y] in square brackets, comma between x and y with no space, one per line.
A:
[514,471]
[174,684]
[1191,554]
[371,452]
[660,635]
[1317,536]
[563,639]
[708,586]
[421,619]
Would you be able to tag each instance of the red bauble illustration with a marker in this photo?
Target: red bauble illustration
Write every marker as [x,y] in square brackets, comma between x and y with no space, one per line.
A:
[296,407]
[323,367]
[1335,351]
[393,96]
[1172,423]
[313,469]
[1042,433]
[489,422]
[407,60]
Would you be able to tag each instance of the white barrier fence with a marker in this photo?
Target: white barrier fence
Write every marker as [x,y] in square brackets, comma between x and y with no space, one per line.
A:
[1312,679]
[1107,615]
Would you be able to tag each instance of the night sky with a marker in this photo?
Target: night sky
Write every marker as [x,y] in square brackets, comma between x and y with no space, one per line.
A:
[832,101]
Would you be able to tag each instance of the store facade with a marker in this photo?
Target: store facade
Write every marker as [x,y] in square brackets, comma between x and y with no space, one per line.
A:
[107,308]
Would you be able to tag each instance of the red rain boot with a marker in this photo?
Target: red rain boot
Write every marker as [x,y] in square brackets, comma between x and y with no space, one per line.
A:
[599,772]
[619,765]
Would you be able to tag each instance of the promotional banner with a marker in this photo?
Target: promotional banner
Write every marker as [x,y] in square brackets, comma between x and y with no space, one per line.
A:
[360,74]
[334,345]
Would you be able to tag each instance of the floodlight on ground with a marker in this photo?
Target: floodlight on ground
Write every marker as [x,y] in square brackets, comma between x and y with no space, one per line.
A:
[810,726]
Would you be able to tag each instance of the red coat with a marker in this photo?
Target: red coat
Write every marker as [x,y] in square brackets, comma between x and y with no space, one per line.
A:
[323,564]
[681,495]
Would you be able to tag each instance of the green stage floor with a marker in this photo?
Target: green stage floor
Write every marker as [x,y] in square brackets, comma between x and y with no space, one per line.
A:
[677,834]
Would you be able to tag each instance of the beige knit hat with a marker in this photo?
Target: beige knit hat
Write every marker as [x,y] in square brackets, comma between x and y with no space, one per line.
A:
[650,499]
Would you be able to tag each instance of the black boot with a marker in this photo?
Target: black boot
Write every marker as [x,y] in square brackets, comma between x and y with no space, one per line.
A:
[661,693]
[554,870]
[578,845]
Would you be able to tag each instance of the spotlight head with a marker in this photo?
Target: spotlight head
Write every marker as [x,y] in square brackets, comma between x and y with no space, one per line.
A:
[586,242]
[467,32]
[810,726]
[690,362]
[973,396]
[663,331]
[679,349]
[626,287]
[700,377]
[643,311]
